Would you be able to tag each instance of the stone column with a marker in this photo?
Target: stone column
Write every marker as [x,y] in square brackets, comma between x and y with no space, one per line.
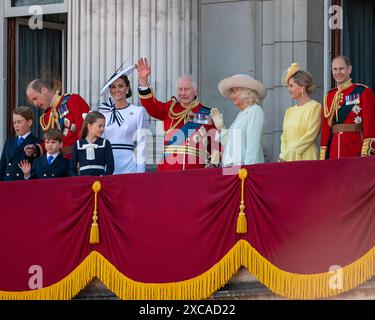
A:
[293,31]
[102,34]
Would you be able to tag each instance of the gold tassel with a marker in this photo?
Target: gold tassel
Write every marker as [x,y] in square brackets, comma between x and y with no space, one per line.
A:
[242,224]
[94,233]
[242,220]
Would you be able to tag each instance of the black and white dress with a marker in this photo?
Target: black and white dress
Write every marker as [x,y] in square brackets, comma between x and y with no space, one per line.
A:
[125,129]
[92,159]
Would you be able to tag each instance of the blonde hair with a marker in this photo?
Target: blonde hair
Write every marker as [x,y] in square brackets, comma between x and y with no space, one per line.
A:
[304,79]
[249,96]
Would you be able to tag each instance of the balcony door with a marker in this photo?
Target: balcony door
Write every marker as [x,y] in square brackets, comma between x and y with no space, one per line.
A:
[37,54]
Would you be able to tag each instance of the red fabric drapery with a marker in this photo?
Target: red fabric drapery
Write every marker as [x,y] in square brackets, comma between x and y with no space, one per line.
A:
[168,228]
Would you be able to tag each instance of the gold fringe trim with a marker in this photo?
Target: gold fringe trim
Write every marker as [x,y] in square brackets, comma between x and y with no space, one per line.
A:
[201,287]
[66,289]
[292,286]
[96,265]
[306,286]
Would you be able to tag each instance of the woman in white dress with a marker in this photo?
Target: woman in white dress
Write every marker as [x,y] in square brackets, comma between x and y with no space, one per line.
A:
[125,124]
[243,141]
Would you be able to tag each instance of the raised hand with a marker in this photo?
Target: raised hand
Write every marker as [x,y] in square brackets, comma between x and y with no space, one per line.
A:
[144,71]
[25,167]
[218,119]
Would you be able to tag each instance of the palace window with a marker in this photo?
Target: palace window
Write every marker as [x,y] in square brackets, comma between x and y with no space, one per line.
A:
[17,8]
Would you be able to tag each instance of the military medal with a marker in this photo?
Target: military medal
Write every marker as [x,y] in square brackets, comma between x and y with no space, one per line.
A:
[73,128]
[358,120]
[357,101]
[67,123]
[65,132]
[357,109]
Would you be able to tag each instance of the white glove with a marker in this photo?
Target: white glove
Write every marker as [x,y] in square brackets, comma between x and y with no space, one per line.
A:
[218,119]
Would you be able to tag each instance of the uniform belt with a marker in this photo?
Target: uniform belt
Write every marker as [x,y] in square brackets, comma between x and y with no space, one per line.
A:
[347,128]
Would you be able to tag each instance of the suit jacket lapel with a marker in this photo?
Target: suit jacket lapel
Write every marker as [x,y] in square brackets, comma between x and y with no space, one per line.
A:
[17,149]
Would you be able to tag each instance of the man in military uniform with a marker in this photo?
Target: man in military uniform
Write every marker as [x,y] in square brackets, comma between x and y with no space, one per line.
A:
[189,141]
[64,113]
[348,121]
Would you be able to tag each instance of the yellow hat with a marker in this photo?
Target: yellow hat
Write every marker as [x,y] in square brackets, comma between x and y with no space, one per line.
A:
[294,68]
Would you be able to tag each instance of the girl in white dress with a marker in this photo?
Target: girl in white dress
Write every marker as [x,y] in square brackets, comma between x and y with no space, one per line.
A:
[125,126]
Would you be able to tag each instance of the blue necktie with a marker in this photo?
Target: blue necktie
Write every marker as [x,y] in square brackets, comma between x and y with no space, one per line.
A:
[50,159]
[20,140]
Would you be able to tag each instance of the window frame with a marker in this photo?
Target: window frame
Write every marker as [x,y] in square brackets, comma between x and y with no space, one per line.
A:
[49,25]
[23,11]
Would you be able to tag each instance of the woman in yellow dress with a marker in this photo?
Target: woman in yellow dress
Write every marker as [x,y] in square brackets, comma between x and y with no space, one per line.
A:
[302,121]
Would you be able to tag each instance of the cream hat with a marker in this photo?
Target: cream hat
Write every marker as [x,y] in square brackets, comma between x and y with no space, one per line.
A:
[242,81]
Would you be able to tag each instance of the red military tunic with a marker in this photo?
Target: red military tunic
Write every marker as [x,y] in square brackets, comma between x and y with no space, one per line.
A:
[189,135]
[348,122]
[65,114]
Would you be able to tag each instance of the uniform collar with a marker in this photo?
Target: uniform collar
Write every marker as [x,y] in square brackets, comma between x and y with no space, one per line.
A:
[55,100]
[192,105]
[345,85]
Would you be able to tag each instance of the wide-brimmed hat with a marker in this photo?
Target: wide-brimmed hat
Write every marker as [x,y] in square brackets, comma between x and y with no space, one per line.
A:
[242,81]
[118,74]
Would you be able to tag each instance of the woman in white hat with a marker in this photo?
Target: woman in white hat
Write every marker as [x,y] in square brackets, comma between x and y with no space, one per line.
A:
[125,124]
[302,121]
[243,141]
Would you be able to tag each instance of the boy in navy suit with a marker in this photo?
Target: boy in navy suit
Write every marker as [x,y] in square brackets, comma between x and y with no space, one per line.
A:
[13,152]
[50,165]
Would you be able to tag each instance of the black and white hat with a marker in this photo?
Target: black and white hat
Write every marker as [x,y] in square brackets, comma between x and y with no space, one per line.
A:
[118,74]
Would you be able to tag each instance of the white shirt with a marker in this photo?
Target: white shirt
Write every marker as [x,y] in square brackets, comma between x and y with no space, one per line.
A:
[24,136]
[243,141]
[55,155]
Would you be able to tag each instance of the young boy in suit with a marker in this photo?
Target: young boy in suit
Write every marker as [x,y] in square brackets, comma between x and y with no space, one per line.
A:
[50,165]
[13,152]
